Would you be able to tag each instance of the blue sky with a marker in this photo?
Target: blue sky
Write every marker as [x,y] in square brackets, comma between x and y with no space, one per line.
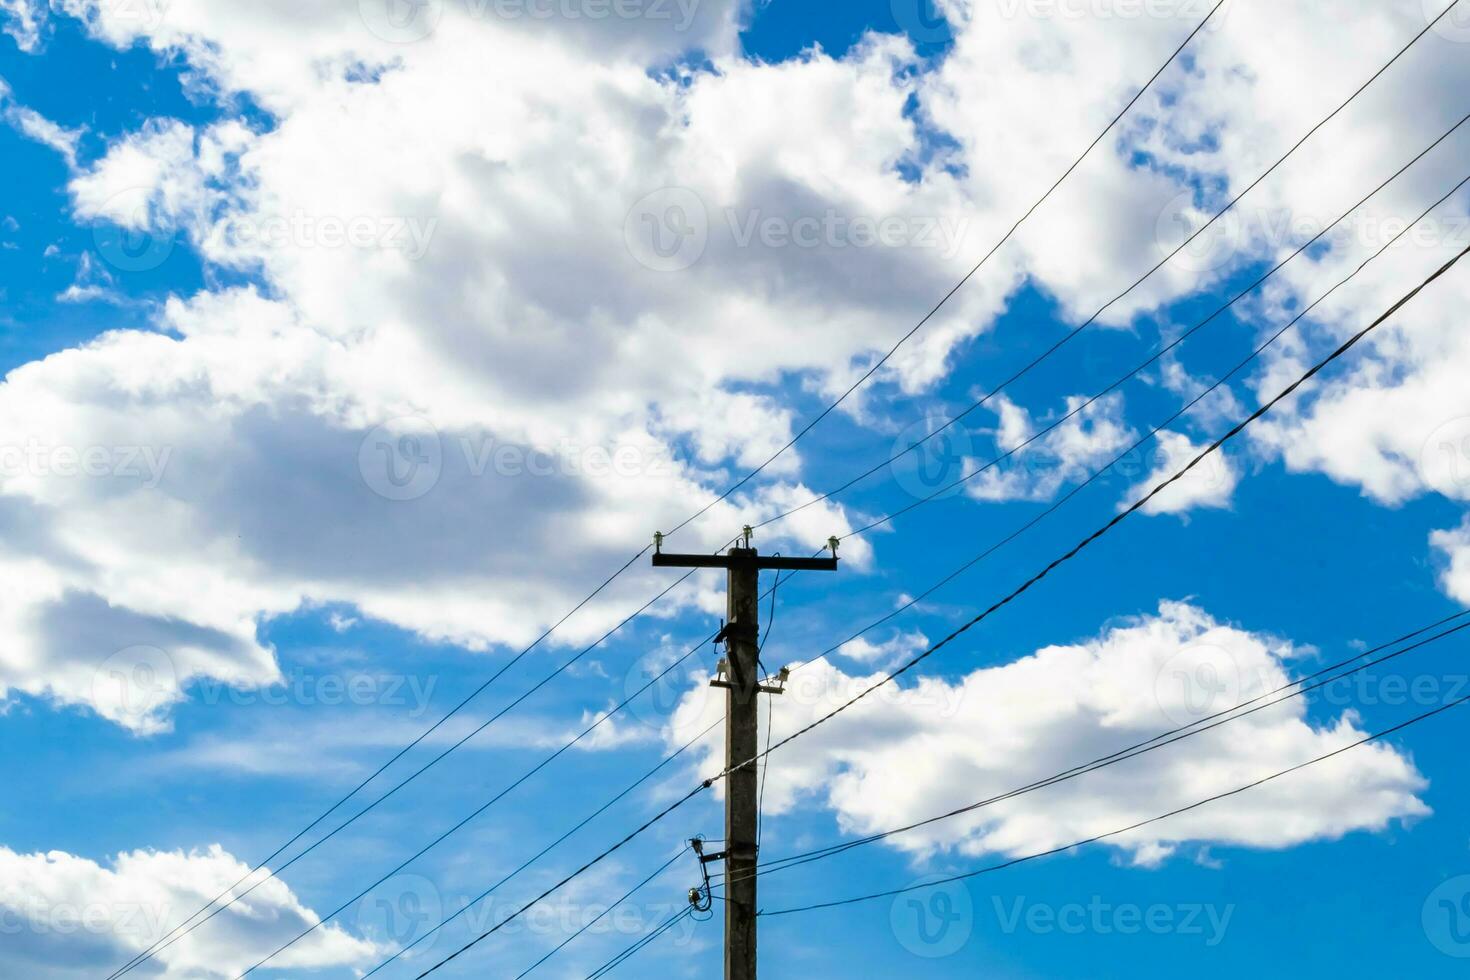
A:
[239,617]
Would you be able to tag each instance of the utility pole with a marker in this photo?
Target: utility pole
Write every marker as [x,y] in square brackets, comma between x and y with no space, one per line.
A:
[740,677]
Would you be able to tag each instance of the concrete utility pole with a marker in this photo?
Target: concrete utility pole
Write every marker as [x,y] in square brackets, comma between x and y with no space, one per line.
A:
[740,677]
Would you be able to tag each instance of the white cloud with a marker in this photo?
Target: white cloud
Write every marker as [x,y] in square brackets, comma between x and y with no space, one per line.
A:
[23,20]
[897,648]
[907,753]
[458,254]
[1070,453]
[68,917]
[1454,545]
[1210,484]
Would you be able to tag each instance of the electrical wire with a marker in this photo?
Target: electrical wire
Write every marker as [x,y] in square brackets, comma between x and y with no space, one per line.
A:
[1119,518]
[1125,830]
[967,277]
[487,805]
[1147,437]
[594,815]
[1293,689]
[760,803]
[272,873]
[166,940]
[1116,299]
[639,946]
[1026,586]
[627,895]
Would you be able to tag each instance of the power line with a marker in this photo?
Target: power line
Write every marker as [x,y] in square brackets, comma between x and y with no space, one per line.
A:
[588,819]
[761,798]
[1112,302]
[1097,474]
[967,277]
[638,947]
[491,802]
[1293,689]
[166,941]
[1012,596]
[272,873]
[1117,519]
[1125,830]
[627,895]
[1163,351]
[571,877]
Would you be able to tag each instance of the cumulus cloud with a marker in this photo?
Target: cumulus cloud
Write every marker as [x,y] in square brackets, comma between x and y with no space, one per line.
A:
[930,746]
[1069,453]
[23,20]
[541,315]
[1210,484]
[69,917]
